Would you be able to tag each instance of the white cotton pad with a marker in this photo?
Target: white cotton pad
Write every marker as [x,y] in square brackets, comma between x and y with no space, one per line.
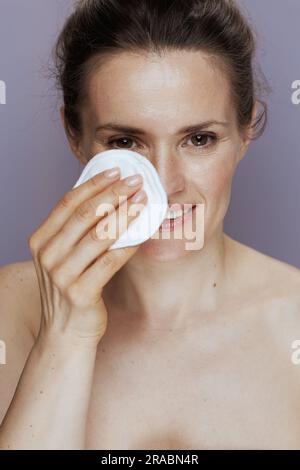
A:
[149,220]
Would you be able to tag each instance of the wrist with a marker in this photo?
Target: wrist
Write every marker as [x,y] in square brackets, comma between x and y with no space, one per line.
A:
[63,344]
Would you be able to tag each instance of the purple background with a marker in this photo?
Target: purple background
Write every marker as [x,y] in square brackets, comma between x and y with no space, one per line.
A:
[37,166]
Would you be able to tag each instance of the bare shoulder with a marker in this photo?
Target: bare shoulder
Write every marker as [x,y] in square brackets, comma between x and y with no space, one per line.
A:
[19,324]
[270,291]
[268,277]
[19,294]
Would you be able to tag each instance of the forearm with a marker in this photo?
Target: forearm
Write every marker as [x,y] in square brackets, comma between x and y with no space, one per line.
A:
[50,406]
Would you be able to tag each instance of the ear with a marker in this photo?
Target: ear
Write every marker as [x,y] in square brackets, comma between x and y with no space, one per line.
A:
[73,140]
[248,134]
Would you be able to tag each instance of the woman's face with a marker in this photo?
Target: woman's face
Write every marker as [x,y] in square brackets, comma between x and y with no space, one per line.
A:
[161,96]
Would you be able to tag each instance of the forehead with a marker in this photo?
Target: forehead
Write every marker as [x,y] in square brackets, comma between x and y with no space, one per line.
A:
[174,87]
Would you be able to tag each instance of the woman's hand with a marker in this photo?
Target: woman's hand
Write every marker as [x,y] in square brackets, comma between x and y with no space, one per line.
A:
[50,405]
[71,258]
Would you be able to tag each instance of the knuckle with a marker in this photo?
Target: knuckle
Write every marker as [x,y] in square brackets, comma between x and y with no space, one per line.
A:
[45,259]
[102,209]
[108,260]
[95,235]
[32,242]
[66,200]
[126,251]
[114,192]
[57,277]
[84,211]
[74,294]
[94,180]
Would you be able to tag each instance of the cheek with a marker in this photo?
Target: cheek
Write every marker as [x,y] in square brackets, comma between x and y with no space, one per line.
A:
[220,183]
[214,185]
[215,181]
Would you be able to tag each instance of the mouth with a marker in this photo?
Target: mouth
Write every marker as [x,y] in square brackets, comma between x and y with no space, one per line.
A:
[177,218]
[177,210]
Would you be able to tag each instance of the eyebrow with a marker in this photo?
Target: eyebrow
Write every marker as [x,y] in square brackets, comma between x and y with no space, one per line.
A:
[113,126]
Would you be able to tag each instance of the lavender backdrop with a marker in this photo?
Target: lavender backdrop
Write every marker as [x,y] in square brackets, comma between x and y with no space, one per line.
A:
[37,166]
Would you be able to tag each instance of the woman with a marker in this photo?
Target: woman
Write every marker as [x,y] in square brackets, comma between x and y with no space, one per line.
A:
[153,346]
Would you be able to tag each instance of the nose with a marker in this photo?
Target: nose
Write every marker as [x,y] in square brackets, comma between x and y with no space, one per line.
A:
[170,171]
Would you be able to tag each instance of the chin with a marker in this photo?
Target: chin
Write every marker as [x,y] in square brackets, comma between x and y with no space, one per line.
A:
[164,246]
[165,250]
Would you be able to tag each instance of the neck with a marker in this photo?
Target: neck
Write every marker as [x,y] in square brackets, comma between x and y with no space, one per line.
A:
[157,294]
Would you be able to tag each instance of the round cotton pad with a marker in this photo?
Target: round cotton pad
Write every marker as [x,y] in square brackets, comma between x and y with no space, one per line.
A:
[150,218]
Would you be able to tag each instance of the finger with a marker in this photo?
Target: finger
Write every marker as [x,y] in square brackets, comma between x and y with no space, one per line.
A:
[94,279]
[96,243]
[66,205]
[85,216]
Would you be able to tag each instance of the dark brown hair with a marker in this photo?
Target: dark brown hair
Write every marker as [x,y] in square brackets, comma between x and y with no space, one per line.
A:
[99,28]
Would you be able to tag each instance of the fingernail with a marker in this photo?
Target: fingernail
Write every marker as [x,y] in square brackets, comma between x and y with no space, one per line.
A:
[139,196]
[112,172]
[133,180]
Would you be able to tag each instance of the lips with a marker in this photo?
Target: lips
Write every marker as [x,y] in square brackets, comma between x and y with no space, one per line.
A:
[177,210]
[177,207]
[171,224]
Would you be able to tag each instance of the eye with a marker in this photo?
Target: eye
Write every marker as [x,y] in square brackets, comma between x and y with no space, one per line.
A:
[203,140]
[200,141]
[120,140]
